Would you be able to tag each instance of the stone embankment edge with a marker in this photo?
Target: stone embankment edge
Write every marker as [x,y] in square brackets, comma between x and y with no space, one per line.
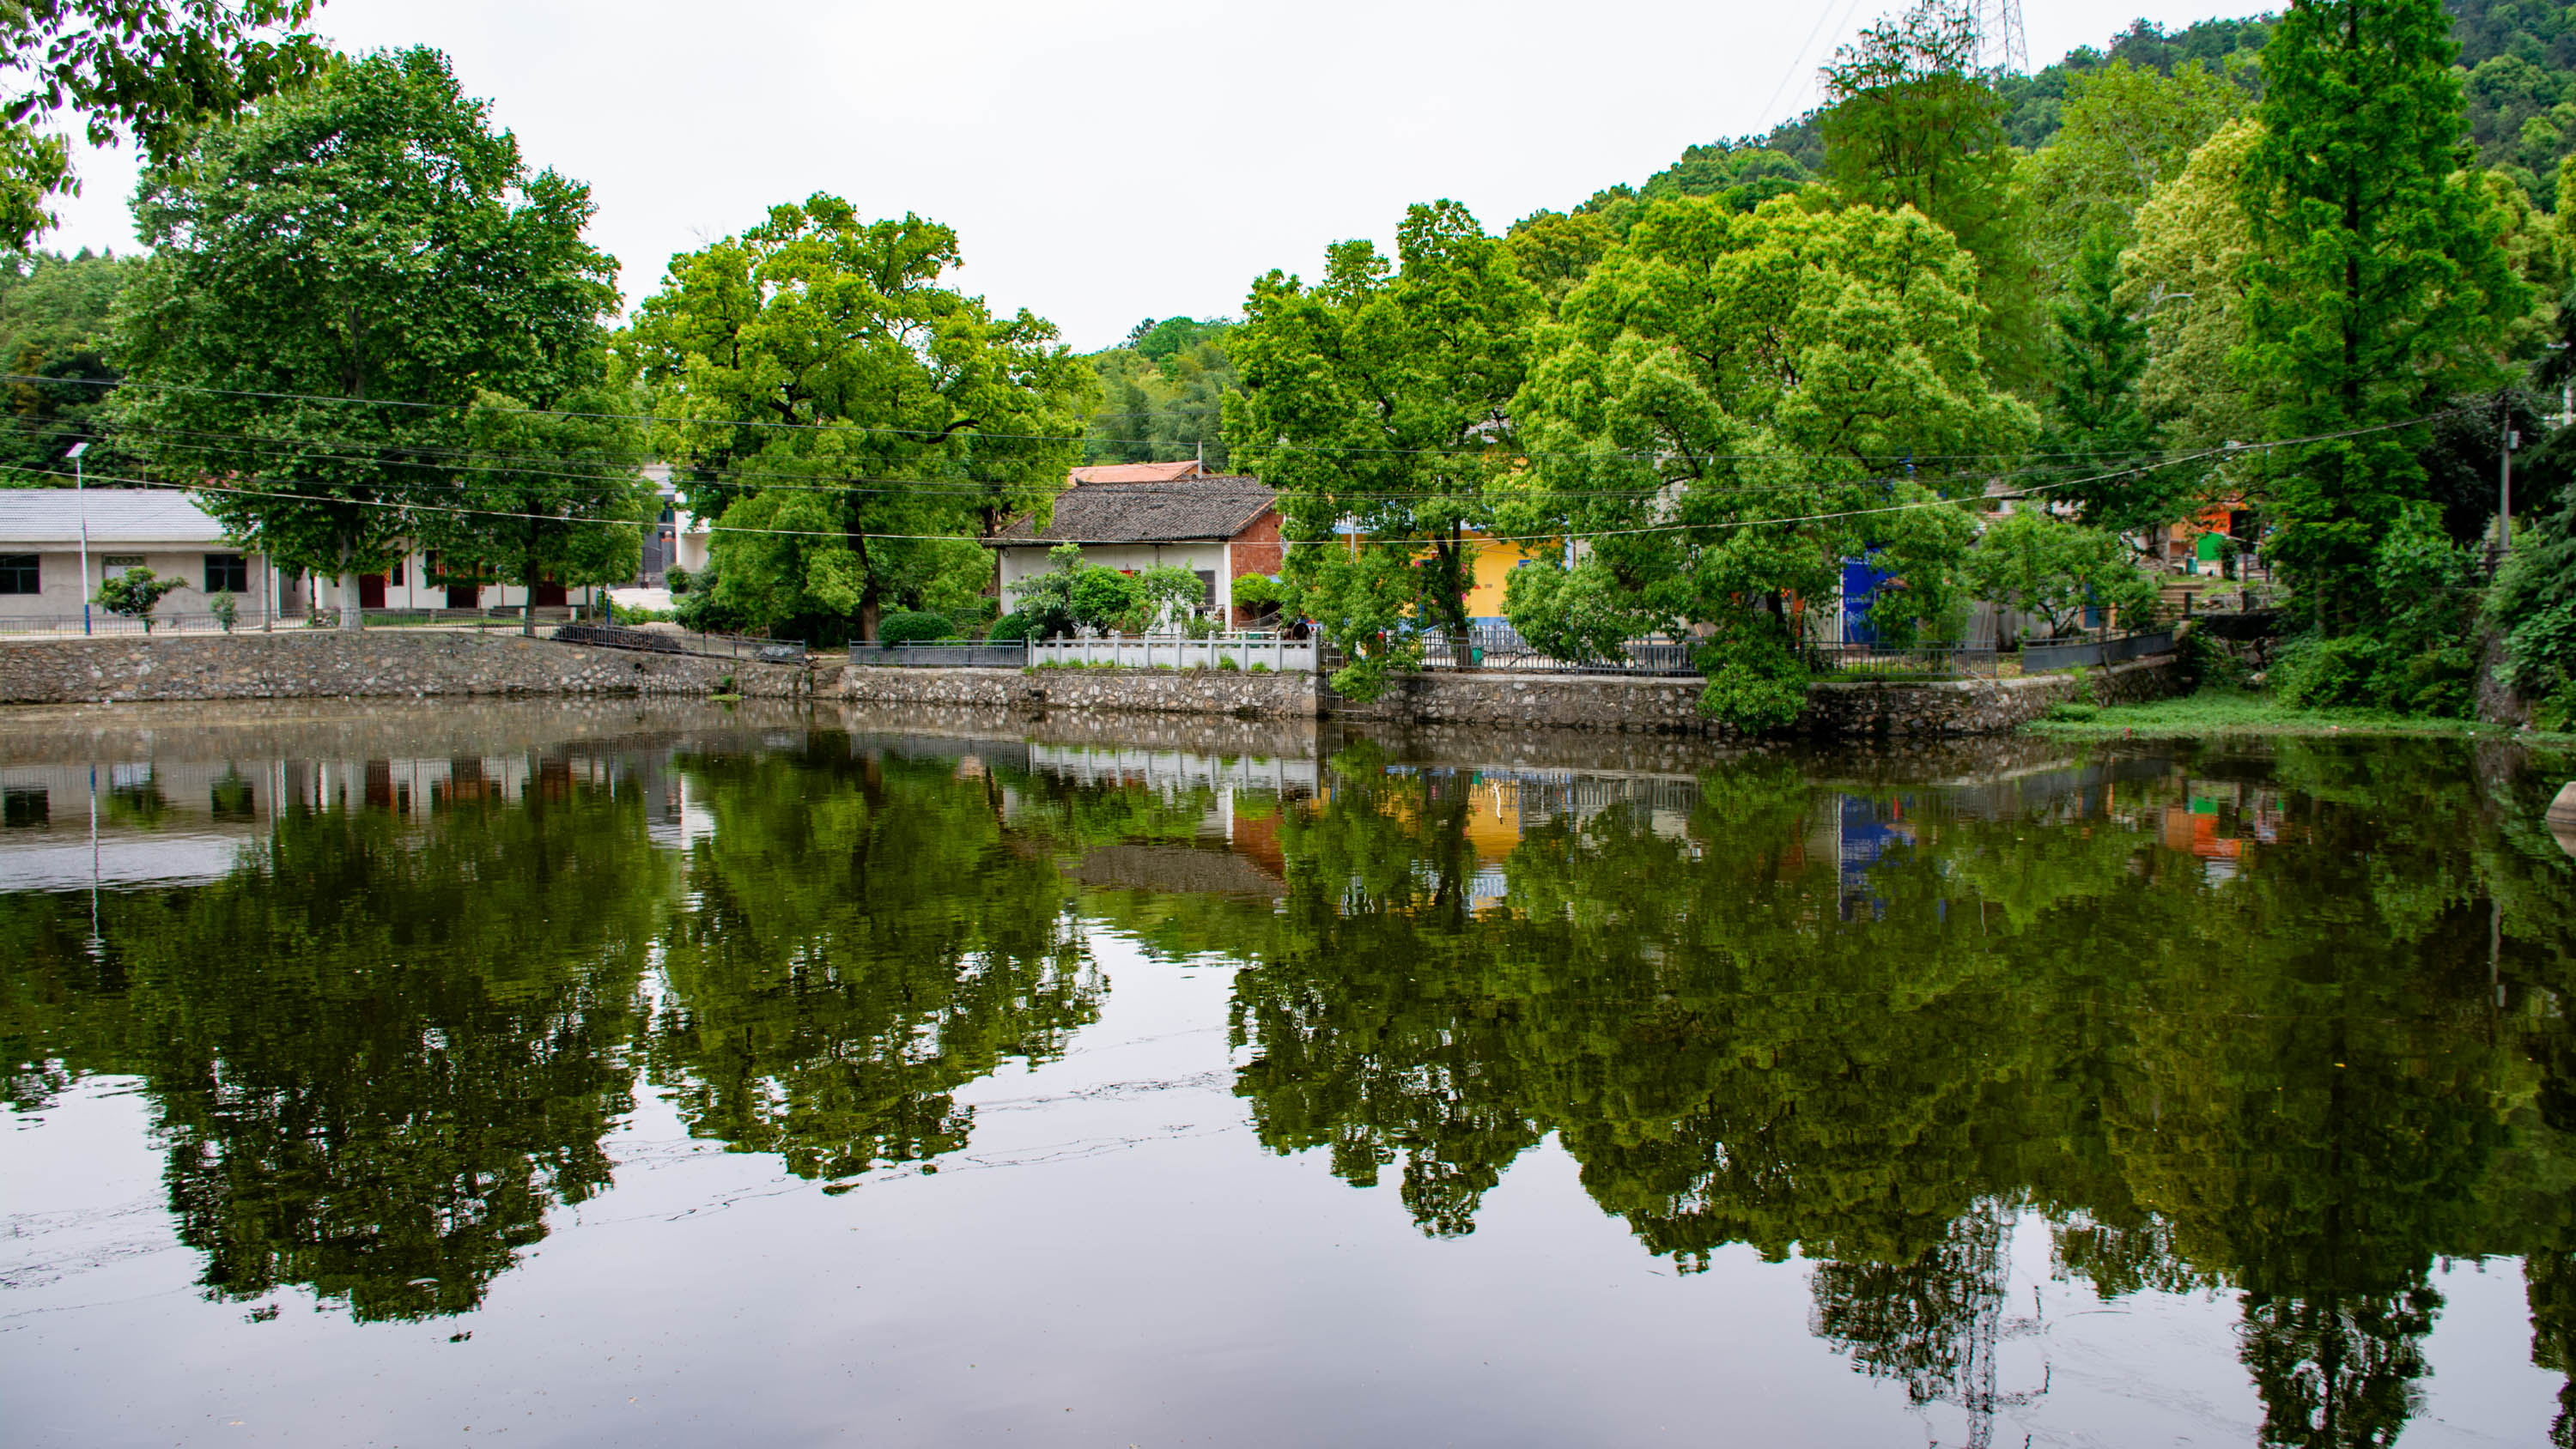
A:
[328,664]
[1839,709]
[1142,691]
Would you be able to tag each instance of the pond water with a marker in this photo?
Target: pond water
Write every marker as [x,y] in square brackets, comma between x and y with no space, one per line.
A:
[580,1075]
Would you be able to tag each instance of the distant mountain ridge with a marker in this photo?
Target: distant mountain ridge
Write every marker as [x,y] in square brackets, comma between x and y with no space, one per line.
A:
[2517,61]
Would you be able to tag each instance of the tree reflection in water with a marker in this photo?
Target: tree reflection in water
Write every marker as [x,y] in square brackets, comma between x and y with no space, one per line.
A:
[2270,1044]
[2283,1026]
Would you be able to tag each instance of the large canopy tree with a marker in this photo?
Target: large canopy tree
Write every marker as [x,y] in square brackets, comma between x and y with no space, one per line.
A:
[151,69]
[1733,406]
[339,277]
[1910,121]
[840,411]
[1376,401]
[2377,287]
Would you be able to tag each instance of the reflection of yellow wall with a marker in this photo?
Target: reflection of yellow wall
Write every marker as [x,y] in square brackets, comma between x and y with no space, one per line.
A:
[1493,820]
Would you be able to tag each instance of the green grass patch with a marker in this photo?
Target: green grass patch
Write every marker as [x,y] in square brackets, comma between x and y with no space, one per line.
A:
[2249,712]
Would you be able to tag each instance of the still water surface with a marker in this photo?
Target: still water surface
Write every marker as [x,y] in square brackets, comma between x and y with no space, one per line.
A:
[679,1077]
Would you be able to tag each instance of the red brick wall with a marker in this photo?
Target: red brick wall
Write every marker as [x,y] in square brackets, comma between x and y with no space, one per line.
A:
[1256,549]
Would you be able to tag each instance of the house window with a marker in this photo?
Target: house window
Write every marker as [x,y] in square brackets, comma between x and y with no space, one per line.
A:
[397,574]
[1207,588]
[18,573]
[21,807]
[227,573]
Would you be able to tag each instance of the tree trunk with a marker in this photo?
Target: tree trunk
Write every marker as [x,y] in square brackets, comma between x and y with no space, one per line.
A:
[528,601]
[353,615]
[869,607]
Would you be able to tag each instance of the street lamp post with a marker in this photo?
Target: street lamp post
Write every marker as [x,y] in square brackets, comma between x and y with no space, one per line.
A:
[81,491]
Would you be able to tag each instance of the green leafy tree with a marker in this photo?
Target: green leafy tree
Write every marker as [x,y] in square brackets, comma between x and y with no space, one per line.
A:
[2383,284]
[549,497]
[2125,131]
[2035,562]
[149,69]
[135,593]
[2186,277]
[1169,382]
[1377,400]
[445,271]
[1736,404]
[2533,604]
[1554,252]
[1909,121]
[53,338]
[839,411]
[2097,435]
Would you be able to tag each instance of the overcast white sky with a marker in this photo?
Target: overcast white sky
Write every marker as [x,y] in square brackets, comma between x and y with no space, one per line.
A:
[1104,163]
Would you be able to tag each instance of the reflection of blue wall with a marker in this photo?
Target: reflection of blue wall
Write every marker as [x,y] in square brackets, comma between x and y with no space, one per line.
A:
[1861,579]
[1865,840]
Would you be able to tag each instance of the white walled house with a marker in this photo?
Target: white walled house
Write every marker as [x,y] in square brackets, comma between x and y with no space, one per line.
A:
[166,532]
[1218,527]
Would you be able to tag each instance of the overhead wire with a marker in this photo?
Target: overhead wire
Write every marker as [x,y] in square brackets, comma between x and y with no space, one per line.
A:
[506,461]
[1553,536]
[840,427]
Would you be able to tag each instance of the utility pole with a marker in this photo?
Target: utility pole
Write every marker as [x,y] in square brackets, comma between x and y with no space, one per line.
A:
[2504,488]
[80,491]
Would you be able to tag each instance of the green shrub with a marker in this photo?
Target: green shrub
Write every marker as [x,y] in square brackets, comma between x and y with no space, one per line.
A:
[2070,711]
[1012,627]
[226,608]
[135,593]
[2556,711]
[905,627]
[1226,661]
[676,579]
[1260,594]
[620,614]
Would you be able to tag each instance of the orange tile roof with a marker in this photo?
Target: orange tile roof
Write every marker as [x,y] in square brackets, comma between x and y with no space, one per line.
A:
[1137,472]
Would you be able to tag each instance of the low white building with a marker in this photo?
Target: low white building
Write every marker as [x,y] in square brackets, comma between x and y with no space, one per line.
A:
[1218,527]
[164,530]
[41,532]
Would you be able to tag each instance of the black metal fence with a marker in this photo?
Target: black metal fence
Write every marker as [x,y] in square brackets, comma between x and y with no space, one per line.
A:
[944,654]
[1500,647]
[1917,661]
[681,641]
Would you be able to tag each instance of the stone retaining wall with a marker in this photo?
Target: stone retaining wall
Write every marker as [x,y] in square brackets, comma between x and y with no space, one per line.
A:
[319,663]
[1838,709]
[1149,691]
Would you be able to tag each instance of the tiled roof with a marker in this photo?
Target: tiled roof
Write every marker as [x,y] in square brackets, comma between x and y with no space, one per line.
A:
[116,515]
[1211,508]
[1137,472]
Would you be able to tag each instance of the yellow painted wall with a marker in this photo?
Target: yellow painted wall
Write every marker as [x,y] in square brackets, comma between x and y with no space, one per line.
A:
[1494,565]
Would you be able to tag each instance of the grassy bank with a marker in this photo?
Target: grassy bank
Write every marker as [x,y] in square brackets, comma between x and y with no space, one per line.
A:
[2217,712]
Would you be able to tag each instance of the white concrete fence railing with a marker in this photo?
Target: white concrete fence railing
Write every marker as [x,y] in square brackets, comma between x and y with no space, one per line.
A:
[1174,651]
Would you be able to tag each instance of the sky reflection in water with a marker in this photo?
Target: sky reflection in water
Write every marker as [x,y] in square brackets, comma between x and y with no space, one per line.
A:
[679,1074]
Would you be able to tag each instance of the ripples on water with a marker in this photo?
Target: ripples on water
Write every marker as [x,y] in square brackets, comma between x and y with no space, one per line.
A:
[673,1076]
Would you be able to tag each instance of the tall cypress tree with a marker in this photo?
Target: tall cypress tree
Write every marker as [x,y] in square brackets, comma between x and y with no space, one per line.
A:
[2095,426]
[2382,288]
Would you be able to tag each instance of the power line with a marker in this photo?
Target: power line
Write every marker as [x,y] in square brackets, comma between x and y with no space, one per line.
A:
[1557,536]
[839,427]
[505,461]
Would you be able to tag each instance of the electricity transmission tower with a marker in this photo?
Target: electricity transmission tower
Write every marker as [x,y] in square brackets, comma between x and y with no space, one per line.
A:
[2002,48]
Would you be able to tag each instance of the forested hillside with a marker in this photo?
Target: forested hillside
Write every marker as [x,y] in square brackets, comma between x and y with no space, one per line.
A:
[53,345]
